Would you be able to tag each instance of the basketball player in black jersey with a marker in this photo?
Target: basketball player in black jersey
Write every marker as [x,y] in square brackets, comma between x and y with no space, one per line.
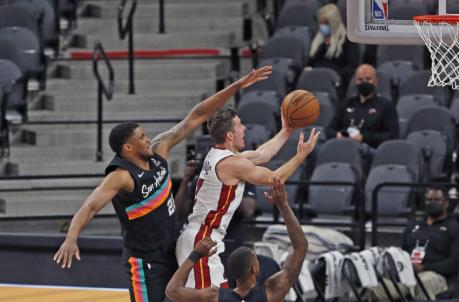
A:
[244,265]
[138,184]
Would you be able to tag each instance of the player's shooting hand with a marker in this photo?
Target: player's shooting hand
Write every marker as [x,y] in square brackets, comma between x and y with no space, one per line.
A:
[285,125]
[255,75]
[304,148]
[66,252]
[206,247]
[277,193]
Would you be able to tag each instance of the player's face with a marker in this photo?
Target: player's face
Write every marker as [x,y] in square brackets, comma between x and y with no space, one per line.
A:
[238,133]
[140,143]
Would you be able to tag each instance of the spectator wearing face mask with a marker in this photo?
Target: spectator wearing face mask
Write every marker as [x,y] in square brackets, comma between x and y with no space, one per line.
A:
[330,47]
[433,243]
[366,118]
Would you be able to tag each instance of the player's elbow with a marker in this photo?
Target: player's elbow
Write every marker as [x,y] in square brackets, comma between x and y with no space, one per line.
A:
[172,292]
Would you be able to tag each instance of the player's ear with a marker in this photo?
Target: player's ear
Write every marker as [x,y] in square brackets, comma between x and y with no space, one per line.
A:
[229,135]
[127,148]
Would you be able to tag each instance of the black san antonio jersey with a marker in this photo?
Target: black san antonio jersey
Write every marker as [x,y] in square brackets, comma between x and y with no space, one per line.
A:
[146,214]
[256,294]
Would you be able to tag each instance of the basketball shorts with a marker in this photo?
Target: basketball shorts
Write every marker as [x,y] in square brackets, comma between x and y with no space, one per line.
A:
[149,274]
[208,271]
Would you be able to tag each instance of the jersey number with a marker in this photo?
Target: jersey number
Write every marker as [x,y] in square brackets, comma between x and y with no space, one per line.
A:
[171,206]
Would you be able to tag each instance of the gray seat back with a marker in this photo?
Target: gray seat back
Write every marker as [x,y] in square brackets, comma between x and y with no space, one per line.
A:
[320,79]
[398,152]
[258,113]
[332,199]
[301,33]
[392,201]
[298,15]
[285,47]
[343,151]
[409,104]
[10,79]
[262,96]
[417,83]
[255,135]
[275,82]
[433,144]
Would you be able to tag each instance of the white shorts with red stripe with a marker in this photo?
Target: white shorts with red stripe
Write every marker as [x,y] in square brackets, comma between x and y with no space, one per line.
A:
[209,271]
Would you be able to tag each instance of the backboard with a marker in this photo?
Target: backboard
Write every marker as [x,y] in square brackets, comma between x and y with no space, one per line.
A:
[383,22]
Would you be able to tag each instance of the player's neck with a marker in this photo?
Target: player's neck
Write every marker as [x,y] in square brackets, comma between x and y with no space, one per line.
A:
[244,287]
[226,146]
[143,164]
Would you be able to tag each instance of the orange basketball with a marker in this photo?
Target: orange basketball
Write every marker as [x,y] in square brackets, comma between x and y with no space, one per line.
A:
[300,108]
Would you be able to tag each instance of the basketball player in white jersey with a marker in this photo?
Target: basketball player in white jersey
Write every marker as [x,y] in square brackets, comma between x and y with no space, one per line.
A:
[221,184]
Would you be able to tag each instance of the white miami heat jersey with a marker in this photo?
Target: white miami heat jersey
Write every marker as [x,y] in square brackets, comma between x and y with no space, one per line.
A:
[215,202]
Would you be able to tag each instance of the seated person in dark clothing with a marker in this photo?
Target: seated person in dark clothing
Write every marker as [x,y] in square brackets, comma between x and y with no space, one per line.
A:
[434,243]
[366,118]
[330,47]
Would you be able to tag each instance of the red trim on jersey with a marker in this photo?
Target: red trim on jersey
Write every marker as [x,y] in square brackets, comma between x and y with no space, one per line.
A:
[224,284]
[227,194]
[198,187]
[201,268]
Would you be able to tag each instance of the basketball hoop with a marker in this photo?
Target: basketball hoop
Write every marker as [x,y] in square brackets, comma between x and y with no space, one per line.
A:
[440,33]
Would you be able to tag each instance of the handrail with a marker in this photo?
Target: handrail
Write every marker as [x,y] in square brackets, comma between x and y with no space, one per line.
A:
[162,26]
[4,131]
[76,122]
[128,28]
[374,201]
[101,91]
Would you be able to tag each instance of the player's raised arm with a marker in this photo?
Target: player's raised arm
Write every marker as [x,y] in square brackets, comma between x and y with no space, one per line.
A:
[103,194]
[176,289]
[162,143]
[278,285]
[243,169]
[266,152]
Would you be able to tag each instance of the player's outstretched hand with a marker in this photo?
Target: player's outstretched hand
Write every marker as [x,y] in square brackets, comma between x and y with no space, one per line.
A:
[66,252]
[206,247]
[277,193]
[304,148]
[255,75]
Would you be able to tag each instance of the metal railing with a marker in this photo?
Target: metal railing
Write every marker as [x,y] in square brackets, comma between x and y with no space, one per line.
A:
[161,26]
[4,130]
[128,28]
[102,90]
[375,202]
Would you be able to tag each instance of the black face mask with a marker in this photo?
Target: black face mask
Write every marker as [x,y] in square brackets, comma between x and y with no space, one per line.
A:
[434,209]
[365,89]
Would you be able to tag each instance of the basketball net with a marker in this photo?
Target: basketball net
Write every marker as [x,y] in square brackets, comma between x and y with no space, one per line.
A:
[442,40]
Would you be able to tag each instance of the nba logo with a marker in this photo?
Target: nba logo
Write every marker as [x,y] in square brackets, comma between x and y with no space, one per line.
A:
[379,9]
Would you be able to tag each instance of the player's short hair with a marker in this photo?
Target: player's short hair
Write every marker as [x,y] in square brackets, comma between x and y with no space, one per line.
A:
[220,123]
[120,134]
[239,262]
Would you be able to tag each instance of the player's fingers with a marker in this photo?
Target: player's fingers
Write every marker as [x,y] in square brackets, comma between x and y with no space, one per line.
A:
[301,137]
[312,134]
[69,262]
[268,196]
[56,256]
[77,255]
[64,260]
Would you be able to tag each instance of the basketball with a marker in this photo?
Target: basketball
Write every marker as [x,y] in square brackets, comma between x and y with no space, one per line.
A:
[300,108]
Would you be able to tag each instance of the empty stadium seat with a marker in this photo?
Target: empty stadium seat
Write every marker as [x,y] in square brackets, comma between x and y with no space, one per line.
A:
[301,33]
[417,84]
[11,80]
[259,113]
[255,135]
[398,152]
[392,201]
[285,47]
[298,15]
[262,96]
[414,54]
[320,79]
[284,67]
[275,82]
[409,104]
[432,147]
[397,72]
